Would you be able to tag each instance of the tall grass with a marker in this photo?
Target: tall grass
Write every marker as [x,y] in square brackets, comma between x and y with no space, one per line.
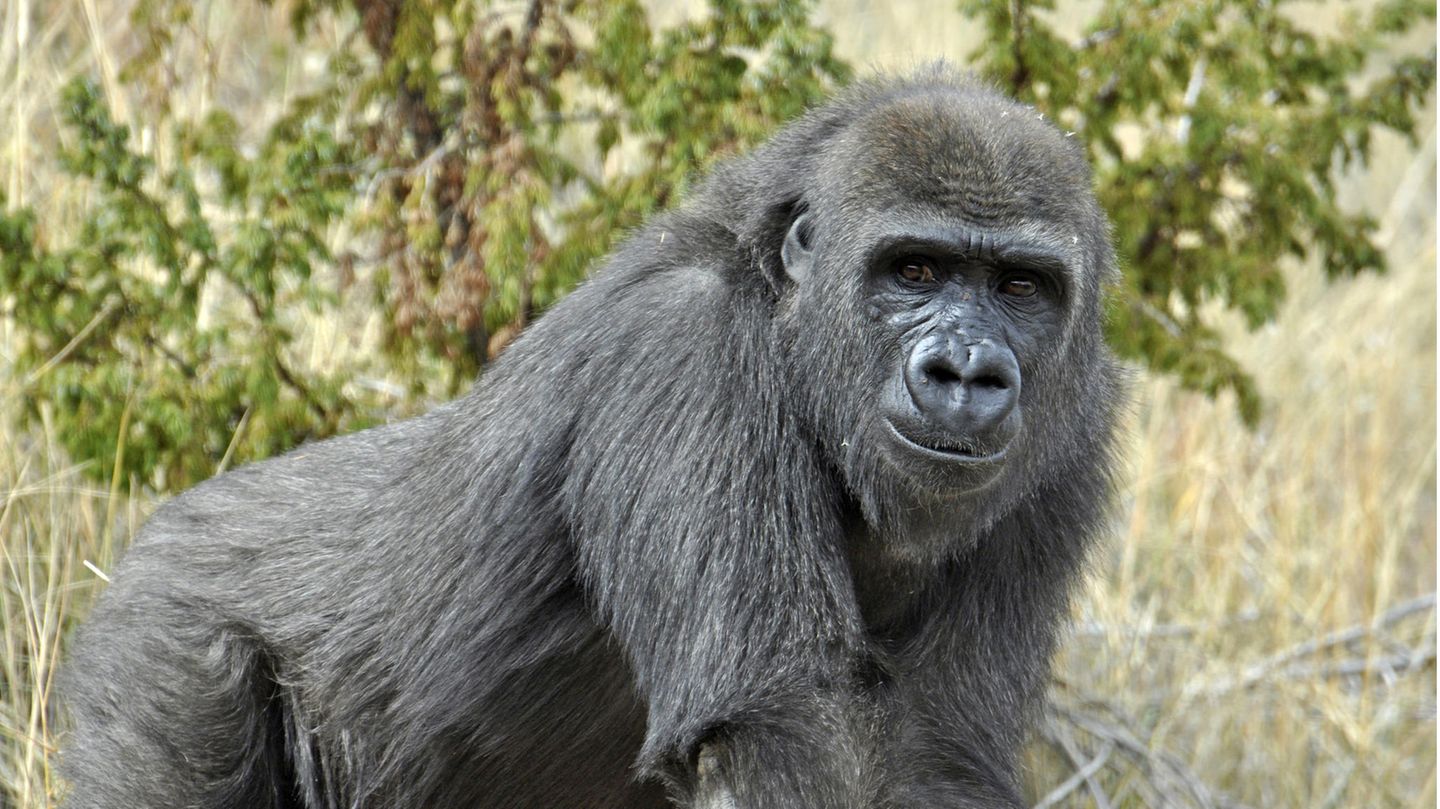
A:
[51,524]
[1259,626]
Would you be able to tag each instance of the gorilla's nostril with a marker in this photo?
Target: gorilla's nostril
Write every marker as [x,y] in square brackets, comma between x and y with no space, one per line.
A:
[989,381]
[942,375]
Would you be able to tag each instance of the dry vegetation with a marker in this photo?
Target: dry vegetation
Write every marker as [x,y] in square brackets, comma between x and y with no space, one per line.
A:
[1261,631]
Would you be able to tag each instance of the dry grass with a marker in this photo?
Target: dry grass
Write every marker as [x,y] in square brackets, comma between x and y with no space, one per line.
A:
[1262,630]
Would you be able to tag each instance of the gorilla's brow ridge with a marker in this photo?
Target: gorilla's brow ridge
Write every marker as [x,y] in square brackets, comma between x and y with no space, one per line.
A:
[973,244]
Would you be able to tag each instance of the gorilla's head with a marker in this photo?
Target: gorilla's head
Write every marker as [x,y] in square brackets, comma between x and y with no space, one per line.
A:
[944,263]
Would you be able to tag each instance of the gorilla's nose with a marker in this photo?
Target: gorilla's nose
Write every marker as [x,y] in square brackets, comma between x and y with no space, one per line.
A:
[966,388]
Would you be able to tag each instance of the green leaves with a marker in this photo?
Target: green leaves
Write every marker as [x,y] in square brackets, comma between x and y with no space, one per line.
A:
[155,327]
[481,157]
[1216,129]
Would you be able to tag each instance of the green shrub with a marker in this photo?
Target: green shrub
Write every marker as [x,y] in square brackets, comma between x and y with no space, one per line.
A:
[465,146]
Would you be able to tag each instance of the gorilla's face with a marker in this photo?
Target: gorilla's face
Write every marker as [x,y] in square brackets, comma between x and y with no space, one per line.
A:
[946,271]
[954,324]
[962,317]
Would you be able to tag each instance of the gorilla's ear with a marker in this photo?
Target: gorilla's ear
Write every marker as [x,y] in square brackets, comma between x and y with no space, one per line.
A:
[797,254]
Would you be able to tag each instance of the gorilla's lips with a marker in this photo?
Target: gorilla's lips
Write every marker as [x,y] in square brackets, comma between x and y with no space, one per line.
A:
[955,450]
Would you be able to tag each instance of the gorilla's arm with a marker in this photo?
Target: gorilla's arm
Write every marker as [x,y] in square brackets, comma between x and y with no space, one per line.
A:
[708,551]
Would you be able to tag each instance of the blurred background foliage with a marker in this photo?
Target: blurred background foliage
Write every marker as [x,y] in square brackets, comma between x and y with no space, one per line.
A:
[465,146]
[1217,129]
[480,157]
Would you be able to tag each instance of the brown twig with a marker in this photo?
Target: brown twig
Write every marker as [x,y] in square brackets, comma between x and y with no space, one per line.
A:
[281,370]
[1165,780]
[1285,663]
[75,342]
[1021,74]
[1084,771]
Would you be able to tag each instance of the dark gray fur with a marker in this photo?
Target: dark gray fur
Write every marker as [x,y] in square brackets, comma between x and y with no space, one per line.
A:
[654,550]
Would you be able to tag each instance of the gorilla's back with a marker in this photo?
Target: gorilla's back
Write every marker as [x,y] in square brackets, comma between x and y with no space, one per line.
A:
[206,617]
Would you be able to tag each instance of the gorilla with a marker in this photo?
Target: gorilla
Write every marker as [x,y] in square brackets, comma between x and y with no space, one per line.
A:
[781,508]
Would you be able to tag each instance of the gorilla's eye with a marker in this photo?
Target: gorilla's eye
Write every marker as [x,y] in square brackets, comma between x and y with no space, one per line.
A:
[915,270]
[1019,286]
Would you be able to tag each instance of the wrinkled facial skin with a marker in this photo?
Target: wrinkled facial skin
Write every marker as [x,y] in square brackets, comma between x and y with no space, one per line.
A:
[964,317]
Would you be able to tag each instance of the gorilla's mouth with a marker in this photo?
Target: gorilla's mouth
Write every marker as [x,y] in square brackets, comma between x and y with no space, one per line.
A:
[957,450]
